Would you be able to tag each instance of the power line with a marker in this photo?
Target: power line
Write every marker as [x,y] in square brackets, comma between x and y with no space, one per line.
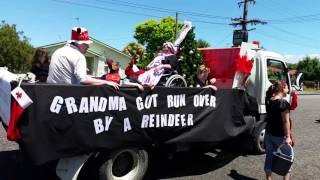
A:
[290,33]
[291,13]
[223,40]
[160,9]
[126,12]
[208,22]
[104,8]
[275,5]
[294,22]
[284,40]
[302,19]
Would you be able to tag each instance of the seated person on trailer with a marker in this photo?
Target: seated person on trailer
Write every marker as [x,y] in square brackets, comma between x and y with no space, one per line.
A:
[132,71]
[202,78]
[115,75]
[157,68]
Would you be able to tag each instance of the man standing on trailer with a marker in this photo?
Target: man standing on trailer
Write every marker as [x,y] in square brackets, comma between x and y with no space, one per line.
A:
[68,64]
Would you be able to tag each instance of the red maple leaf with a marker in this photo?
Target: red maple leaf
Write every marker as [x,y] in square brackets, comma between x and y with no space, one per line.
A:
[244,65]
[19,95]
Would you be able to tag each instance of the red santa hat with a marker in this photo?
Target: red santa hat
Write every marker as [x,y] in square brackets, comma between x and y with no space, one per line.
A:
[112,64]
[80,35]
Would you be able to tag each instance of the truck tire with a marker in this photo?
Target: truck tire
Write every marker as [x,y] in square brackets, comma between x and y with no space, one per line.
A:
[258,138]
[124,164]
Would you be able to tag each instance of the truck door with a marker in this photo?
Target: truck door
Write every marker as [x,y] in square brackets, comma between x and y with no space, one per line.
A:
[277,71]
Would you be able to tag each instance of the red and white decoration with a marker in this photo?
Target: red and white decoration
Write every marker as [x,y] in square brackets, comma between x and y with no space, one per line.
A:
[20,102]
[244,64]
[80,35]
[5,97]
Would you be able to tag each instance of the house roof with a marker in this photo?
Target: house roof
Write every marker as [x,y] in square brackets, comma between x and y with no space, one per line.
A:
[89,50]
[106,45]
[293,72]
[273,69]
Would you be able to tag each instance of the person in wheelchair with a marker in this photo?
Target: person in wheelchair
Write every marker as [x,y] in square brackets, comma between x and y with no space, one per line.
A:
[161,65]
[173,62]
[164,62]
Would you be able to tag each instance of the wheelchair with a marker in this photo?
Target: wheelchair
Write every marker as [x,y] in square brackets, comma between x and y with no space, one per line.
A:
[172,79]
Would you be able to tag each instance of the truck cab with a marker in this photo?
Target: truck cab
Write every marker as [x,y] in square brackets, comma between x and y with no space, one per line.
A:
[267,68]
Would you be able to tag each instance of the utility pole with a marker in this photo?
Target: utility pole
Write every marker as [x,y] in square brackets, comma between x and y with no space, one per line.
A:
[245,14]
[176,25]
[241,35]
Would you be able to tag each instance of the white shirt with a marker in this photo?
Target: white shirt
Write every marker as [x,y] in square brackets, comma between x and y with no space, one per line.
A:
[68,66]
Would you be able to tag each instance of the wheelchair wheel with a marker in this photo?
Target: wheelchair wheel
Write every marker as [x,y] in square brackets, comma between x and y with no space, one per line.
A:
[176,81]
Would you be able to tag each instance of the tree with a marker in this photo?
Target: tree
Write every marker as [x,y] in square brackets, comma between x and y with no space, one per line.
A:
[292,66]
[15,51]
[190,58]
[134,48]
[310,68]
[202,43]
[152,34]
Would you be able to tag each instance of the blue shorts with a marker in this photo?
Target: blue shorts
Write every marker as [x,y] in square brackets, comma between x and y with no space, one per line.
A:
[271,143]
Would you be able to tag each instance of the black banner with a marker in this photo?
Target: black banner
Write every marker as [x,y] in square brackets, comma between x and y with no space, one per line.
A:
[67,120]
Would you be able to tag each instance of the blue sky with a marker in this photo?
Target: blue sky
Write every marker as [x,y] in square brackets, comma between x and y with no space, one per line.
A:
[293,27]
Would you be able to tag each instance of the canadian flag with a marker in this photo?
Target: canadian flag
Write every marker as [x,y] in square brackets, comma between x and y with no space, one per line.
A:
[20,102]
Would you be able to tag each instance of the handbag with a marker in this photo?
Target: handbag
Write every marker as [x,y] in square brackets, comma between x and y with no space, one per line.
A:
[282,159]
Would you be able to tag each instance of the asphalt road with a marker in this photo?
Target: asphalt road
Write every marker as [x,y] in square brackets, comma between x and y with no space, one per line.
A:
[229,162]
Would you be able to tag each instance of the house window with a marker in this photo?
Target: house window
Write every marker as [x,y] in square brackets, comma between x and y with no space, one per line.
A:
[89,65]
[277,71]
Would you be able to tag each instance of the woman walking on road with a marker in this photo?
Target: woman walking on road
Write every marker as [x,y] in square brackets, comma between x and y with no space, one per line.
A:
[278,123]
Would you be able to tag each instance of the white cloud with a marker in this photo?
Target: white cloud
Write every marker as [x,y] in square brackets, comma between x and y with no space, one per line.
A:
[294,58]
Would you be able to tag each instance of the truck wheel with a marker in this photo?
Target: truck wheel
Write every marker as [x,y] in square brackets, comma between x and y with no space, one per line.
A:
[124,164]
[258,139]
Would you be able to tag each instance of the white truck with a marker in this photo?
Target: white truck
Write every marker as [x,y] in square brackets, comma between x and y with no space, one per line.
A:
[267,67]
[132,162]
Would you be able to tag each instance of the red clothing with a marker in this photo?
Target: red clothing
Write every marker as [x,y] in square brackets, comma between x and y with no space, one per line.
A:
[131,74]
[115,77]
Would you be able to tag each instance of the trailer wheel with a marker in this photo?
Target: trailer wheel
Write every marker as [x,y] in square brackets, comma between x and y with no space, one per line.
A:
[124,164]
[258,139]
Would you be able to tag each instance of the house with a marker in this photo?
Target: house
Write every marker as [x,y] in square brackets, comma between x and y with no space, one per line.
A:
[293,72]
[96,56]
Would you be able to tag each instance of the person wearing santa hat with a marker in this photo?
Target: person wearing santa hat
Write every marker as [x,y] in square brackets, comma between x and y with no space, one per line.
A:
[132,71]
[68,64]
[118,76]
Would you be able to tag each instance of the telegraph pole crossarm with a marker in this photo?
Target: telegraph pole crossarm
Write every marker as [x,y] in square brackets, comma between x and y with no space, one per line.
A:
[241,35]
